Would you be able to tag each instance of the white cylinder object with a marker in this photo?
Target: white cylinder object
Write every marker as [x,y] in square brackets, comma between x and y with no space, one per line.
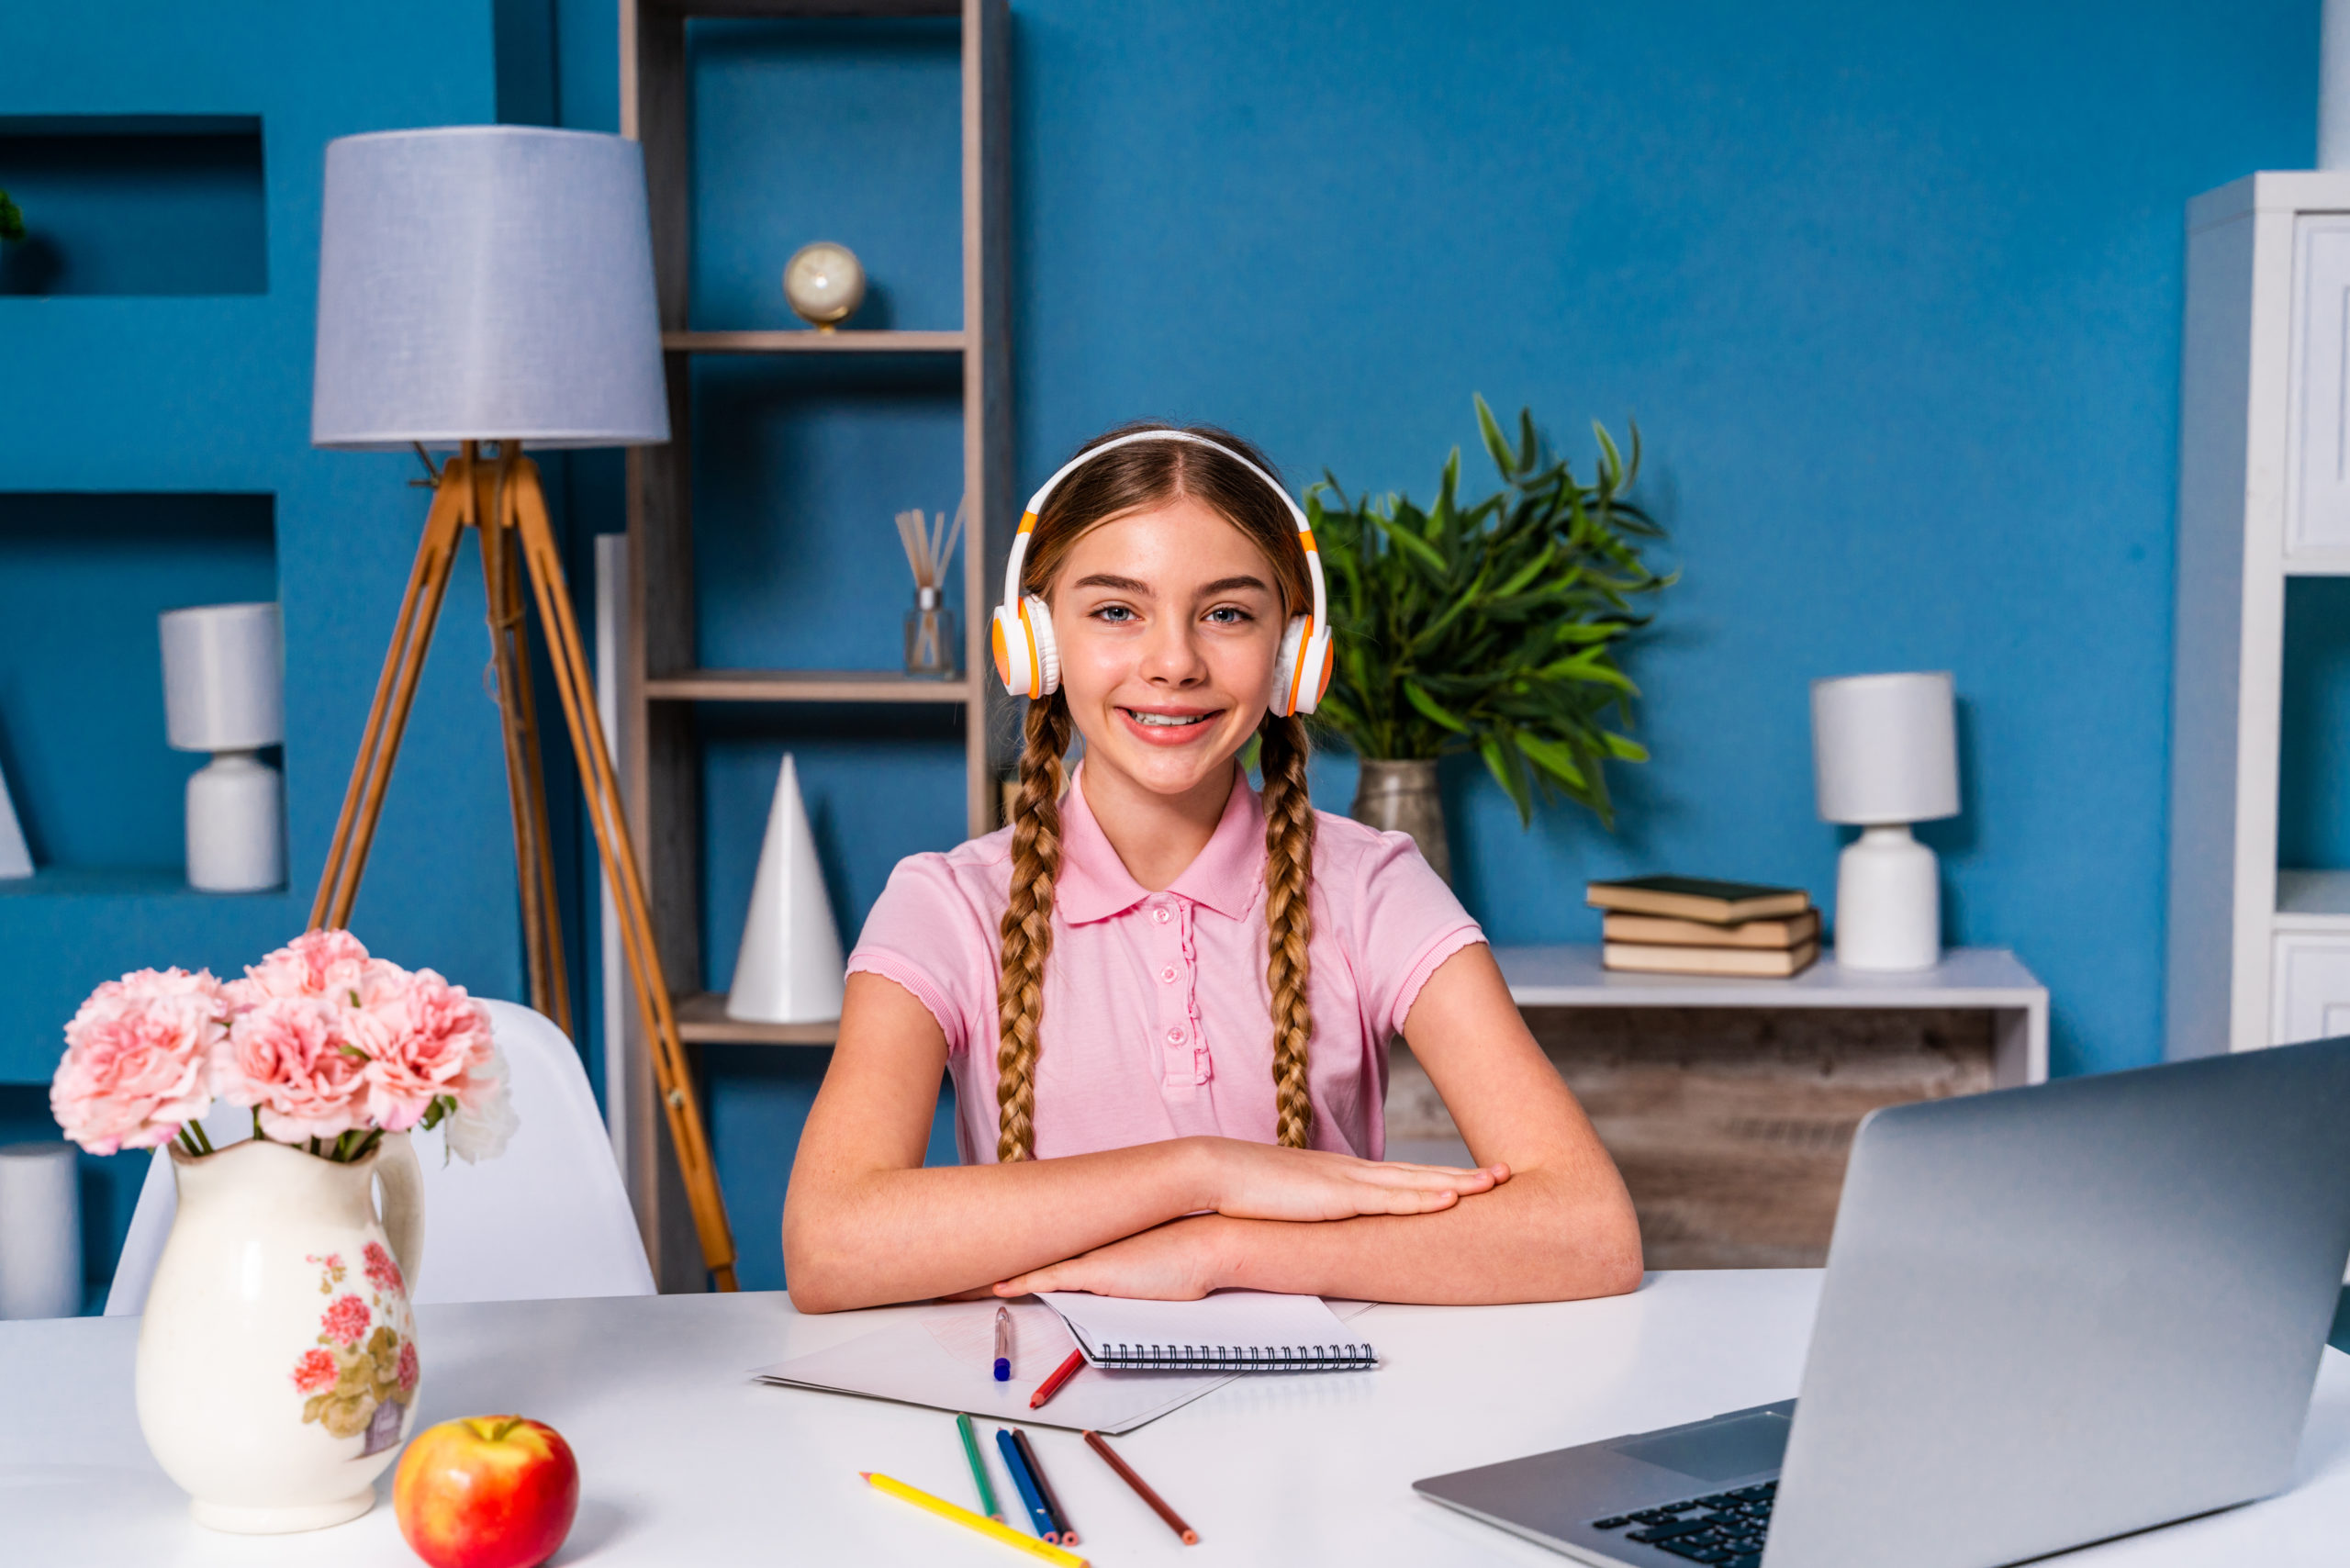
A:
[1885,749]
[236,838]
[1888,903]
[2333,86]
[40,1231]
[223,678]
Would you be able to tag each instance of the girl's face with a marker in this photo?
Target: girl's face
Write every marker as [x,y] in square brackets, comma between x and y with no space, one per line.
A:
[1167,623]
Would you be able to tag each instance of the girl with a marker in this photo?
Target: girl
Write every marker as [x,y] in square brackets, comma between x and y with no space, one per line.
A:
[1165,999]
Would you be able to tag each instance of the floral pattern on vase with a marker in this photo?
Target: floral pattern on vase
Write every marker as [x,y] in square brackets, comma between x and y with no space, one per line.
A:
[362,1373]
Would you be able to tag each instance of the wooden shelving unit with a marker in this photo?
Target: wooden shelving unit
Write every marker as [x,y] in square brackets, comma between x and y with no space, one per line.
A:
[660,681]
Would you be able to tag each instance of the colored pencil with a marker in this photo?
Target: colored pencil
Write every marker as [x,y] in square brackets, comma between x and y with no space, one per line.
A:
[985,1525]
[1142,1488]
[1045,1487]
[1052,1384]
[979,1469]
[1046,1525]
[1003,1344]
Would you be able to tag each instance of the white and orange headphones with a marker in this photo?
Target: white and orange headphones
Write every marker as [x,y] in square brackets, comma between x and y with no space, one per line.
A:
[1031,666]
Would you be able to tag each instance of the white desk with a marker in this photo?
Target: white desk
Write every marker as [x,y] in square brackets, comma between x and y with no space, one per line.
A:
[684,1460]
[1990,980]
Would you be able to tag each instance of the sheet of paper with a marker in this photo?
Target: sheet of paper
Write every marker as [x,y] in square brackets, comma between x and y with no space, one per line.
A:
[1223,1320]
[944,1358]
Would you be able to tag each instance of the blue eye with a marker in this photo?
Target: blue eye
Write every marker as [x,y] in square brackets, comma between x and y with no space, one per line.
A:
[1115,613]
[1228,615]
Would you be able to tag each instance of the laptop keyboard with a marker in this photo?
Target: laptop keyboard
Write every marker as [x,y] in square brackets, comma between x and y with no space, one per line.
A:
[1724,1528]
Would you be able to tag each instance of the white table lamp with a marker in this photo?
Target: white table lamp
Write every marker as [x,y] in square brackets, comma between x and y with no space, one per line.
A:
[224,693]
[1885,752]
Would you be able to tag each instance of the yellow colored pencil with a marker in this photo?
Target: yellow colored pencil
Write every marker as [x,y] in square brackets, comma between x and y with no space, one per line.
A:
[979,1522]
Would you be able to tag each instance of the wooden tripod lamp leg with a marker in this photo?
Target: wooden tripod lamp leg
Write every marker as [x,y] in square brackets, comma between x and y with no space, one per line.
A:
[525,777]
[575,687]
[379,742]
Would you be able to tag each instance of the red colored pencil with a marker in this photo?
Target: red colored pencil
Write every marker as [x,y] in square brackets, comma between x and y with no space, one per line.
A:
[1189,1536]
[1052,1384]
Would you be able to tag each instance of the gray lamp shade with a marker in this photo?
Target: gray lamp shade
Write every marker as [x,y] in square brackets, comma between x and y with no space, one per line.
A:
[486,283]
[1885,747]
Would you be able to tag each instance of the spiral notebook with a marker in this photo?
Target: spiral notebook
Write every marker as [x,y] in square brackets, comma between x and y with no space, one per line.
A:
[1228,1332]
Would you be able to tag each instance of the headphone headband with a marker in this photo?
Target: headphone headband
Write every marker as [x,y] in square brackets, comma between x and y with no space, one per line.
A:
[1019,556]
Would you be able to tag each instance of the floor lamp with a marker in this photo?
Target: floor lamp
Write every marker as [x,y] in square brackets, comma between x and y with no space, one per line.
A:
[493,285]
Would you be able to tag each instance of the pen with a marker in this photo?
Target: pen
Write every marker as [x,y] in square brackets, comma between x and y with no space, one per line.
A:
[1043,1487]
[1047,1527]
[1052,1384]
[1003,1344]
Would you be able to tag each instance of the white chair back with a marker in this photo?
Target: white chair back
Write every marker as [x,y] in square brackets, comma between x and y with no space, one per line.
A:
[548,1219]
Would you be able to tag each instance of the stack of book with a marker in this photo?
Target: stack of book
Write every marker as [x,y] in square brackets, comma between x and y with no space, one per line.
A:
[1687,925]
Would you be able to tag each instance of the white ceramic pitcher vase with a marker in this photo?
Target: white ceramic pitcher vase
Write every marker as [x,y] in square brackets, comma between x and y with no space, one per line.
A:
[277,1364]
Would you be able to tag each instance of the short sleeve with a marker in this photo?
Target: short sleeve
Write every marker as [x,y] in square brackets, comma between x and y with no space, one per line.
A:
[920,933]
[1408,923]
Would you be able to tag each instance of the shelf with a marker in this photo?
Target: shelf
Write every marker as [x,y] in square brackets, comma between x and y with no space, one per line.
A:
[701,1018]
[808,10]
[804,685]
[809,341]
[2312,900]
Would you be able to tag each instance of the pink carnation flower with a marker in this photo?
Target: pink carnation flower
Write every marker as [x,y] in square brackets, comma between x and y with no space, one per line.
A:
[425,1038]
[137,1063]
[287,1057]
[317,963]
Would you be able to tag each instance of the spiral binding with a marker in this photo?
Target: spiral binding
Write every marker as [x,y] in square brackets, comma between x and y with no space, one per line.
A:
[1236,1357]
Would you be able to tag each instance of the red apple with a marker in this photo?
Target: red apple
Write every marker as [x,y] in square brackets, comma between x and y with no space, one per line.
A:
[486,1491]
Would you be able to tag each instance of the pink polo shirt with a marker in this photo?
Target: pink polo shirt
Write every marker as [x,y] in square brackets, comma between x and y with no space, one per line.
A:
[1157,1020]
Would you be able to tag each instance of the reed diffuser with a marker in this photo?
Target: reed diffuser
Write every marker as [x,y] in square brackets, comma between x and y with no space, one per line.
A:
[931,645]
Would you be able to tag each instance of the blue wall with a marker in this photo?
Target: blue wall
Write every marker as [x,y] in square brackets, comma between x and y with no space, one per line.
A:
[1894,292]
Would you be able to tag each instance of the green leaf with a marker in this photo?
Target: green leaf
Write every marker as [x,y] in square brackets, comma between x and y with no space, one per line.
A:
[1496,445]
[1417,695]
[1554,757]
[1504,763]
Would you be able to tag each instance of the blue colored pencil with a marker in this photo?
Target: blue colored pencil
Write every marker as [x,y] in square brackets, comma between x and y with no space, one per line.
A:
[1028,1485]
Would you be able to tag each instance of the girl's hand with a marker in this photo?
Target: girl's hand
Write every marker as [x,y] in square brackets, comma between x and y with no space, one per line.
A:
[1175,1262]
[1259,1180]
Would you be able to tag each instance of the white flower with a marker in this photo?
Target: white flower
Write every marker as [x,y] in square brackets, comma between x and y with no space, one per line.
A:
[481,1131]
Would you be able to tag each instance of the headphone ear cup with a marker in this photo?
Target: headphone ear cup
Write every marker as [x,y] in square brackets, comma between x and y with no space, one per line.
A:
[1285,667]
[1010,644]
[1040,618]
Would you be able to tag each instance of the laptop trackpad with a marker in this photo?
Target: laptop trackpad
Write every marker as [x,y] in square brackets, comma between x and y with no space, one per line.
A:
[1715,1450]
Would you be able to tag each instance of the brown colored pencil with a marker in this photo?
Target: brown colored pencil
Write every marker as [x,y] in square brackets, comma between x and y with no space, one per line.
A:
[1045,1487]
[1095,1441]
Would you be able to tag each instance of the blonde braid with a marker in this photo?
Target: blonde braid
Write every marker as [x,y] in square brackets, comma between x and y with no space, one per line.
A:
[1289,922]
[1028,926]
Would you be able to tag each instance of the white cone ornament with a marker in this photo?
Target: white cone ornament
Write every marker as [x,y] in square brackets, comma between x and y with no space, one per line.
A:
[16,860]
[790,967]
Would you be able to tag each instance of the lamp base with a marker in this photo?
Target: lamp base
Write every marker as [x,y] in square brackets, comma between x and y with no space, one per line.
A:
[236,832]
[1888,903]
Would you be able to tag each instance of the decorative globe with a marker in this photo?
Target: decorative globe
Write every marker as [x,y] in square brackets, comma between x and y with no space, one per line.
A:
[824,284]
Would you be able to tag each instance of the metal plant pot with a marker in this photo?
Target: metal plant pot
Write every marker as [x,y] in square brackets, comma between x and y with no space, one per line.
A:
[1399,795]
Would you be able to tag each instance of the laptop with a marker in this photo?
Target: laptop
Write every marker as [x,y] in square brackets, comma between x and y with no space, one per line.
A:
[2050,1316]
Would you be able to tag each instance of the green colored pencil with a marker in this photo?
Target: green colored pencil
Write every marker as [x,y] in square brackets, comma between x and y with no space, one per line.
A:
[979,1471]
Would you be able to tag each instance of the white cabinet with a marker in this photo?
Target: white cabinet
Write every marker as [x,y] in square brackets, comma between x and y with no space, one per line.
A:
[2313,989]
[2255,956]
[2318,504]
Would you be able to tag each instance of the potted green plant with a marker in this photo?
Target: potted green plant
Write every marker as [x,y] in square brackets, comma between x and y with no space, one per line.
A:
[1489,628]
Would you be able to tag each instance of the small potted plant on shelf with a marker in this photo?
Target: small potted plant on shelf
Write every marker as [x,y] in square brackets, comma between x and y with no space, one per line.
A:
[277,1361]
[1489,628]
